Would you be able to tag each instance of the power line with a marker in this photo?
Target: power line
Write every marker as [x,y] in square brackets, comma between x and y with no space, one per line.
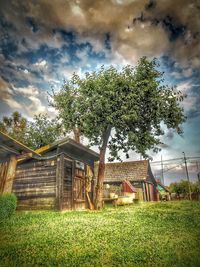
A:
[166,160]
[169,169]
[174,159]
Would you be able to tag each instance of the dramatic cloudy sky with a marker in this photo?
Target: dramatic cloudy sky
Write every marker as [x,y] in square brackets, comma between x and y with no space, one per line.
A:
[43,42]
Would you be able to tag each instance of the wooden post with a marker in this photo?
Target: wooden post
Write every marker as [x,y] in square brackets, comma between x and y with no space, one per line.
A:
[3,171]
[10,175]
[59,182]
[72,194]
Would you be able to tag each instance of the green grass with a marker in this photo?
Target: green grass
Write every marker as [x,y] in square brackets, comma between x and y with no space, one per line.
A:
[147,234]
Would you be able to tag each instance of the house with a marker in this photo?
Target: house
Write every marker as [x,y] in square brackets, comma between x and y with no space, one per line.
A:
[10,151]
[138,173]
[60,178]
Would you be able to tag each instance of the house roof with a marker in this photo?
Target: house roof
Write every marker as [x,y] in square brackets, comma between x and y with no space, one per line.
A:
[129,170]
[70,147]
[161,187]
[9,146]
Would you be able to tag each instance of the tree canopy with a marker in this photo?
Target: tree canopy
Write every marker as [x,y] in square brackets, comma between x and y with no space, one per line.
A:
[36,133]
[120,109]
[182,187]
[15,126]
[42,131]
[132,102]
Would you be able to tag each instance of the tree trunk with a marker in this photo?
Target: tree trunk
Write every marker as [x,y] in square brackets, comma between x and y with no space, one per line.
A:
[76,134]
[101,170]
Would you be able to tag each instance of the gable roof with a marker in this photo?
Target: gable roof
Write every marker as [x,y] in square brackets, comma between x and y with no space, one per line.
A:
[128,170]
[9,146]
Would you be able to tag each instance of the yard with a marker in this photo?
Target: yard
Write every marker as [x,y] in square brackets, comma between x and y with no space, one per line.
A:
[146,234]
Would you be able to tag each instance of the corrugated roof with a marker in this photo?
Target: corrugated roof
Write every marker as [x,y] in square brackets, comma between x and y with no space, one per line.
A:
[9,146]
[129,170]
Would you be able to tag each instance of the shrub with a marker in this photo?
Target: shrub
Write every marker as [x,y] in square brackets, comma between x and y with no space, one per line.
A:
[8,203]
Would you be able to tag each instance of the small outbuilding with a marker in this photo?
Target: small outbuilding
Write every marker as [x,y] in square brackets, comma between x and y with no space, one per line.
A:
[138,173]
[61,178]
[164,192]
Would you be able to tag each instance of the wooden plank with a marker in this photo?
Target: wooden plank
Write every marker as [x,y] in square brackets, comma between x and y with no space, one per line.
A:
[34,195]
[33,185]
[3,172]
[72,177]
[67,184]
[61,179]
[36,163]
[36,204]
[39,201]
[10,174]
[36,173]
[58,183]
[33,169]
[35,207]
[35,190]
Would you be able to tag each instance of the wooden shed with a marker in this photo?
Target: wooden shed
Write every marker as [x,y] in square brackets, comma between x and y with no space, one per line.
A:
[10,151]
[62,178]
[138,173]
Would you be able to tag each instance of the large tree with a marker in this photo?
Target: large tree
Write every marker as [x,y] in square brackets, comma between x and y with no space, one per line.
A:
[120,110]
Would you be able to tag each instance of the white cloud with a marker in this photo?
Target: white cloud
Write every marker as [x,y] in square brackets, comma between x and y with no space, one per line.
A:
[40,64]
[36,106]
[26,71]
[13,103]
[5,90]
[26,91]
[184,87]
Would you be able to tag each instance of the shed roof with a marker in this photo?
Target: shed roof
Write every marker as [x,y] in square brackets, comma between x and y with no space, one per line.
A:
[9,146]
[161,187]
[71,147]
[129,170]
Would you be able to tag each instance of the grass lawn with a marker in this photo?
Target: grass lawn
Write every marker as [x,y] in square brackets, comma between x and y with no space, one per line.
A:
[146,234]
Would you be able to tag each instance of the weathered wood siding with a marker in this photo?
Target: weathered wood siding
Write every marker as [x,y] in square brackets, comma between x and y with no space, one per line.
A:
[3,172]
[35,184]
[67,185]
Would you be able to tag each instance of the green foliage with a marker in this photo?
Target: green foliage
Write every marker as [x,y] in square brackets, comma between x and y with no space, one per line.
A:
[15,126]
[148,234]
[36,133]
[129,105]
[182,187]
[8,203]
[42,131]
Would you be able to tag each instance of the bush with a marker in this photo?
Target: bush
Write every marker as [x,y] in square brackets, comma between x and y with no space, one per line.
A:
[8,203]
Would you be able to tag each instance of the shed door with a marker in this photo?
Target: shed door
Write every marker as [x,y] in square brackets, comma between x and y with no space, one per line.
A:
[67,185]
[79,188]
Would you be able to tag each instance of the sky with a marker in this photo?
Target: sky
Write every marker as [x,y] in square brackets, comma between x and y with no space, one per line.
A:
[44,42]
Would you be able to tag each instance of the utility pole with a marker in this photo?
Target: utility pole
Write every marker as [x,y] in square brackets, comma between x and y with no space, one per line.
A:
[162,174]
[185,160]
